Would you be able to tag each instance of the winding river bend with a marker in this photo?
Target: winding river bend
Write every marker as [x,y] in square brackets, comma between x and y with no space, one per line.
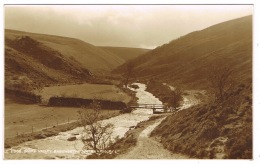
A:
[57,147]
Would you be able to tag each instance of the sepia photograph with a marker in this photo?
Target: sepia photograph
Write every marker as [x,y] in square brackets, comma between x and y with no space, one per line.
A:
[128,81]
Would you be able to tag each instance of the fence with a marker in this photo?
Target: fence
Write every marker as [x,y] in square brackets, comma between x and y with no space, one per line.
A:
[49,127]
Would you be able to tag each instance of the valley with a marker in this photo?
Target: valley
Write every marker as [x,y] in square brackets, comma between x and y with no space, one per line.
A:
[62,93]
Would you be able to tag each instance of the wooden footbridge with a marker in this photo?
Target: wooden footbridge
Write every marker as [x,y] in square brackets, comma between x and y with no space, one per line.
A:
[157,108]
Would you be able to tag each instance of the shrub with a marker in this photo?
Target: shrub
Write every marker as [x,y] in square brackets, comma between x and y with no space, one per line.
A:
[134,86]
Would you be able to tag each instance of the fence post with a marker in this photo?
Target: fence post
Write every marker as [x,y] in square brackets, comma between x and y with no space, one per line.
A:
[32,129]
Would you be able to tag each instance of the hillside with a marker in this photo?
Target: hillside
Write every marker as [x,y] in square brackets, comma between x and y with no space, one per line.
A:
[188,59]
[90,57]
[29,63]
[125,53]
[212,130]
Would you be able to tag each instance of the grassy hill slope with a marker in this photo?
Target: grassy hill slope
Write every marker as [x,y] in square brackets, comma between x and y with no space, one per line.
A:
[90,57]
[187,59]
[126,53]
[212,130]
[31,63]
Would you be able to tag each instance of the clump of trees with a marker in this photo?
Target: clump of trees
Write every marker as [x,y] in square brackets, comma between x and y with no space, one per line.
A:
[96,135]
[172,99]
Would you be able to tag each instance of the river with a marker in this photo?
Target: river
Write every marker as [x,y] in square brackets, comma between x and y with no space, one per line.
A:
[57,147]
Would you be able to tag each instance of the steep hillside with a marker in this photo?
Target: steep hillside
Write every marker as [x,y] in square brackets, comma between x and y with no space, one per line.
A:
[212,130]
[126,53]
[90,57]
[29,63]
[188,59]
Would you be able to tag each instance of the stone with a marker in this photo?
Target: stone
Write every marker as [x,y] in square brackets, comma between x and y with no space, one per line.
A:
[73,138]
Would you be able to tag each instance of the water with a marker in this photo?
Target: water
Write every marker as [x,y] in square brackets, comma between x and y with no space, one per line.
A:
[144,97]
[58,147]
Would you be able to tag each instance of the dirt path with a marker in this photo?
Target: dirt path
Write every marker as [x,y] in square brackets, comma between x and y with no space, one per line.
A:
[148,148]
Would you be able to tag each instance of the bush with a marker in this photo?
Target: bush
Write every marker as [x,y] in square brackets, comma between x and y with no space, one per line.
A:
[209,133]
[134,86]
[240,147]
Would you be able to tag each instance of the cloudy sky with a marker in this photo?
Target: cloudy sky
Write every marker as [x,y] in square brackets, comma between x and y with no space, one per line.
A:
[146,26]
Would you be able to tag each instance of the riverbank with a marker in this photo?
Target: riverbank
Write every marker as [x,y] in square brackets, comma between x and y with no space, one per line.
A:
[129,142]
[52,130]
[189,97]
[147,147]
[137,144]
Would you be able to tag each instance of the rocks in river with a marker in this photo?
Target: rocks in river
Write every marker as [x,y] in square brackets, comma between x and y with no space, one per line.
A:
[73,138]
[135,127]
[139,126]
[131,127]
[40,136]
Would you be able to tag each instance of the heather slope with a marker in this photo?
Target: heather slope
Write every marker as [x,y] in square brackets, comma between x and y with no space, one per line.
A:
[215,130]
[29,63]
[187,59]
[89,56]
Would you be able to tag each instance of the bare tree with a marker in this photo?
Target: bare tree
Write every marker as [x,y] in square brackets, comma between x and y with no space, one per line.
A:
[96,136]
[175,99]
[128,73]
[220,81]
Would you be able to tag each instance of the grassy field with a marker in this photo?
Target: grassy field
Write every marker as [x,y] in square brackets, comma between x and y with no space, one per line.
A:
[25,118]
[21,118]
[90,91]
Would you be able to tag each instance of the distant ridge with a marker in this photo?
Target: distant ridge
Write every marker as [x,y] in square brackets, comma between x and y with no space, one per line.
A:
[126,53]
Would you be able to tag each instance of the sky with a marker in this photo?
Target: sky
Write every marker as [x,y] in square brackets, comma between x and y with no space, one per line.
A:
[141,26]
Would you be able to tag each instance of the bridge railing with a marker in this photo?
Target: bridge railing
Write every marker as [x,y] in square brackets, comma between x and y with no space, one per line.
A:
[151,106]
